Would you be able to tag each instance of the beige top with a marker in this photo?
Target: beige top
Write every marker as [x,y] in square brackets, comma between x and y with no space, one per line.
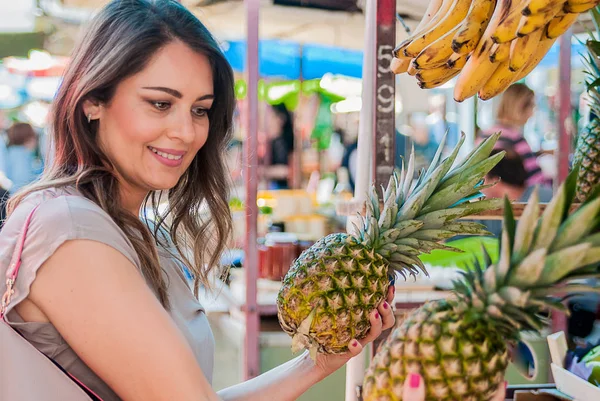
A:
[63,215]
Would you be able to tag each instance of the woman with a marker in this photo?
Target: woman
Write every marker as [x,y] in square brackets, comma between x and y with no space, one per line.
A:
[21,159]
[145,106]
[280,129]
[516,107]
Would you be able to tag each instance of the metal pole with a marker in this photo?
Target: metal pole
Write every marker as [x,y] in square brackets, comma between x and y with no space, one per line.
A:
[559,320]
[385,100]
[564,113]
[251,347]
[355,368]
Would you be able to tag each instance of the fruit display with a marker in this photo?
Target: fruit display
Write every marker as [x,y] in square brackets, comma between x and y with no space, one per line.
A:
[488,44]
[460,345]
[587,150]
[330,290]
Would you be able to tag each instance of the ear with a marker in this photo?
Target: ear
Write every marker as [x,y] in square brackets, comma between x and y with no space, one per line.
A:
[92,109]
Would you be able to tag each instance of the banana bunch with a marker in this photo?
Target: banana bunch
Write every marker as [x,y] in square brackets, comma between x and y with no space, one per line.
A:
[488,44]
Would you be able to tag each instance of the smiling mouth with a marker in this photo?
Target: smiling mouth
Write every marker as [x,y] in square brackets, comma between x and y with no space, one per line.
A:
[165,155]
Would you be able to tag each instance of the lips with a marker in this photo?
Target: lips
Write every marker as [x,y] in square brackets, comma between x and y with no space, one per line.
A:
[167,155]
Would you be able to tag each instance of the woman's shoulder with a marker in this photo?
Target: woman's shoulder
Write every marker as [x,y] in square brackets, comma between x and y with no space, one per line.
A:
[59,215]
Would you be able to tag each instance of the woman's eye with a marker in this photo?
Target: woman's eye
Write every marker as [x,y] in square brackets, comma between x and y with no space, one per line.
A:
[161,105]
[199,111]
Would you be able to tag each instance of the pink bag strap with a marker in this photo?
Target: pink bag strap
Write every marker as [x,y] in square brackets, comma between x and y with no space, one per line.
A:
[11,278]
[15,263]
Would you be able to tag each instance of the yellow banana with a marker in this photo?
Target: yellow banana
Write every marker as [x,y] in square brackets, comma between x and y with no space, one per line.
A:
[431,15]
[457,11]
[507,28]
[498,82]
[435,74]
[399,65]
[412,69]
[458,61]
[522,48]
[473,26]
[579,7]
[439,82]
[543,47]
[499,52]
[535,6]
[540,6]
[438,52]
[479,68]
[560,24]
[532,23]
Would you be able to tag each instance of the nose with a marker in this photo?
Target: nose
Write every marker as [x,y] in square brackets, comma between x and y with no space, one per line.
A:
[183,128]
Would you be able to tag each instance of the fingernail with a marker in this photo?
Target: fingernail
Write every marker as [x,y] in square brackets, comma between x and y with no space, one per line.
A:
[385,305]
[415,380]
[505,385]
[354,344]
[376,315]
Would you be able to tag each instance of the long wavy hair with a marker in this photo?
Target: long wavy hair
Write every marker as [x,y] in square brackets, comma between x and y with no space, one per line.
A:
[118,43]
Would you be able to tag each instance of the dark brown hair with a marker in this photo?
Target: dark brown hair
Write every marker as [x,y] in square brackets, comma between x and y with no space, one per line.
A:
[118,43]
[19,134]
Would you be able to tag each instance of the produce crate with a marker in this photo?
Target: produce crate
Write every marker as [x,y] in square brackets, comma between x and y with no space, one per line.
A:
[567,382]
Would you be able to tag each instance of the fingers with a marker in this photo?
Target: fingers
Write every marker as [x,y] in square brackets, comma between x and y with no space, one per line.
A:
[387,315]
[376,327]
[355,348]
[391,294]
[501,393]
[414,388]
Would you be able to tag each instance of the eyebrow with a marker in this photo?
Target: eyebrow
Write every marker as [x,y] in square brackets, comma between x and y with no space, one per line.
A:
[176,93]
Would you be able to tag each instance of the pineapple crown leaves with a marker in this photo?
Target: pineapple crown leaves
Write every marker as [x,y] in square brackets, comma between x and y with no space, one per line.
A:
[540,259]
[415,218]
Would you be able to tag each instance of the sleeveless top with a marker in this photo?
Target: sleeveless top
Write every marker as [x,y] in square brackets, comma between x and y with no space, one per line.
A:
[64,214]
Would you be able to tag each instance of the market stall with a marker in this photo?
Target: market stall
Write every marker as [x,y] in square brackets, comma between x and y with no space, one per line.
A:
[368,148]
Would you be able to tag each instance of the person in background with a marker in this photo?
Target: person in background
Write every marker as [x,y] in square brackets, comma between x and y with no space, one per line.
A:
[280,130]
[510,177]
[438,124]
[516,107]
[21,155]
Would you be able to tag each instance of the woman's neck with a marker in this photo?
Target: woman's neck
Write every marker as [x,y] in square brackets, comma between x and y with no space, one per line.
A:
[132,199]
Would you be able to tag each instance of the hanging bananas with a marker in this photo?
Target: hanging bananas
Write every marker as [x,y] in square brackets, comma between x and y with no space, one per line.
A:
[488,44]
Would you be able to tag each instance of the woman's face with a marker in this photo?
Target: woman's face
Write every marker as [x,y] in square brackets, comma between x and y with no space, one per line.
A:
[157,120]
[528,109]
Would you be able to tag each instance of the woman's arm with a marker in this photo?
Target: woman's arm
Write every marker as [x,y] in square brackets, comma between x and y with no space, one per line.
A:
[290,380]
[102,306]
[285,382]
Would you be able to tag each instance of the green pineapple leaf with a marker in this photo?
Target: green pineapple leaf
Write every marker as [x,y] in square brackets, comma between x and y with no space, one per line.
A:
[438,155]
[526,228]
[509,224]
[570,189]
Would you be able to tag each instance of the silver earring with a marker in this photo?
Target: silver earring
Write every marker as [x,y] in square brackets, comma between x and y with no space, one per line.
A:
[89,118]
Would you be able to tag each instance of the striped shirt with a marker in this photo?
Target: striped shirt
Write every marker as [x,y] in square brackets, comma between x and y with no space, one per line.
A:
[512,139]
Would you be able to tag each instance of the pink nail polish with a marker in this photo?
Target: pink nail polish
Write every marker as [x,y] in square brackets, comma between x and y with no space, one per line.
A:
[354,344]
[415,380]
[376,315]
[385,305]
[505,385]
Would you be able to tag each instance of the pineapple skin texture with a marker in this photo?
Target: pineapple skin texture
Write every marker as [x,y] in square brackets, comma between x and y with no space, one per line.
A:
[457,359]
[342,281]
[588,152]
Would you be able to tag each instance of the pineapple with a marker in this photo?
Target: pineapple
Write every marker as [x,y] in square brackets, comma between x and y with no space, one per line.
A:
[587,151]
[460,345]
[329,291]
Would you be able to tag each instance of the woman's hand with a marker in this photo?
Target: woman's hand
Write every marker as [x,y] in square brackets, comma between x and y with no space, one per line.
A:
[381,319]
[414,390]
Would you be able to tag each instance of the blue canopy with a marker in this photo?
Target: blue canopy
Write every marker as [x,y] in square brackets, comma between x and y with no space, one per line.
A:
[291,60]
